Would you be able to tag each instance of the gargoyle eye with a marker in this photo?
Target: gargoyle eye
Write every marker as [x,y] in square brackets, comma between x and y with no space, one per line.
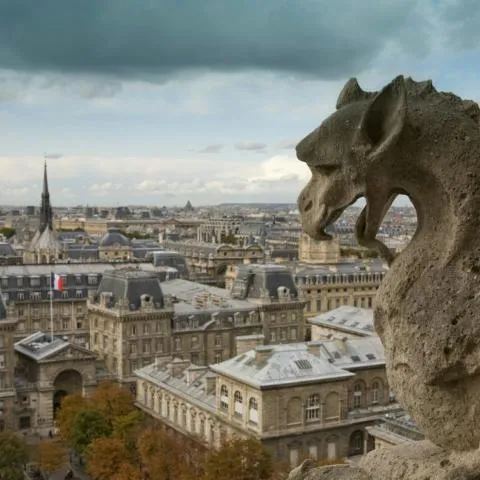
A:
[325,169]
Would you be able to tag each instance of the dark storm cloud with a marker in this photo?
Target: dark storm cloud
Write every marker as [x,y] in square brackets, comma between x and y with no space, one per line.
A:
[154,38]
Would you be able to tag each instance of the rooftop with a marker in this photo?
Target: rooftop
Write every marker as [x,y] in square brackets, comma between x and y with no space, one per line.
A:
[195,297]
[195,390]
[40,345]
[347,319]
[280,365]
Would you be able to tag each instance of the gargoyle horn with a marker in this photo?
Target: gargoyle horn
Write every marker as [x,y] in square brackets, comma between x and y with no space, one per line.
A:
[352,92]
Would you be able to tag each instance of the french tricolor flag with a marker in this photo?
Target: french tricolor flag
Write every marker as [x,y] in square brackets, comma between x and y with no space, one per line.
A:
[57,282]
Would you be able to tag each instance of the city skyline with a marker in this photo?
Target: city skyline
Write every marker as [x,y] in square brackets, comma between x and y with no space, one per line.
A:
[153,117]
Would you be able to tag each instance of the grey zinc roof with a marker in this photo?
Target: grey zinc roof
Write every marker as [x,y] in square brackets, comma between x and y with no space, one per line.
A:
[348,319]
[112,237]
[194,392]
[39,346]
[130,284]
[262,281]
[187,292]
[354,353]
[277,365]
[7,250]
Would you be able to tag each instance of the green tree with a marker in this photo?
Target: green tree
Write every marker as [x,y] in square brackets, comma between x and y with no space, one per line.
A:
[71,406]
[13,456]
[7,232]
[241,459]
[88,426]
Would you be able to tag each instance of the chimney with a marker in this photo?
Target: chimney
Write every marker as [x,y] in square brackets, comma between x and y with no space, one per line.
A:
[244,343]
[262,353]
[177,366]
[211,383]
[194,372]
[314,348]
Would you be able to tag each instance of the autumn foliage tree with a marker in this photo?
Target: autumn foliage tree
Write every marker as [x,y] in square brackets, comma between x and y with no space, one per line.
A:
[51,455]
[241,459]
[71,406]
[166,456]
[13,455]
[108,459]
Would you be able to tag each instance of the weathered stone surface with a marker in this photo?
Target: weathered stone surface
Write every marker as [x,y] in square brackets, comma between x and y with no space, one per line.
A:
[307,471]
[411,139]
[420,461]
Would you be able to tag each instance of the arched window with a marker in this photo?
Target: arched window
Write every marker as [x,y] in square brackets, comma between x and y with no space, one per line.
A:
[375,392]
[224,397]
[312,411]
[238,404]
[253,410]
[357,395]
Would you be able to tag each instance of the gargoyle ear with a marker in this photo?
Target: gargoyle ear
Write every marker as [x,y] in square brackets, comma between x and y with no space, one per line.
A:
[383,121]
[351,93]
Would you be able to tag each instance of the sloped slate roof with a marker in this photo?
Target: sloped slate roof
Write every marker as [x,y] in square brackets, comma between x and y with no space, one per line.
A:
[113,237]
[357,320]
[131,284]
[275,365]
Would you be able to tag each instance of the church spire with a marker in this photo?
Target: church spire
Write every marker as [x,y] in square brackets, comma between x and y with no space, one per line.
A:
[46,208]
[45,180]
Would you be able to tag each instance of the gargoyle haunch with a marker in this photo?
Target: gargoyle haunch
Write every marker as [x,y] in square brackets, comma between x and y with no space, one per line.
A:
[411,139]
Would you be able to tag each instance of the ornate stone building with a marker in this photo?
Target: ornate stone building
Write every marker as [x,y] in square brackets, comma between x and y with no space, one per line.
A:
[133,318]
[129,321]
[310,399]
[114,246]
[45,246]
[46,371]
[209,262]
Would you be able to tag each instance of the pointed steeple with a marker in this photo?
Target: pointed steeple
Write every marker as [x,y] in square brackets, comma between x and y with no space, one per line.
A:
[46,208]
[45,180]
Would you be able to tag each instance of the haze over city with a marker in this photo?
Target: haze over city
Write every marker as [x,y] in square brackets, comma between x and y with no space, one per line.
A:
[157,103]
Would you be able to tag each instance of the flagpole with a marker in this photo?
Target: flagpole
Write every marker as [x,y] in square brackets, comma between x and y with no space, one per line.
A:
[51,307]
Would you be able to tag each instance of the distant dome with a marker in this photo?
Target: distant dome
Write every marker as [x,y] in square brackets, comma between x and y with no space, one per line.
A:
[114,237]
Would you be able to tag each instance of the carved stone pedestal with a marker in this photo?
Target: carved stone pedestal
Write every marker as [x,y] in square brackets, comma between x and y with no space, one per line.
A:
[419,461]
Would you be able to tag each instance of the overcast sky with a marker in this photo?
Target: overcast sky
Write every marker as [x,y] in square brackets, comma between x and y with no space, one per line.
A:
[161,101]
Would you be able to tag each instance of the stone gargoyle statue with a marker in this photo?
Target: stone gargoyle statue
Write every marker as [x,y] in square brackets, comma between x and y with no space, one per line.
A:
[411,139]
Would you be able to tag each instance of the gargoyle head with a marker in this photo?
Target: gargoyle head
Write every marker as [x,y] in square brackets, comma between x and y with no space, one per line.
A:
[343,152]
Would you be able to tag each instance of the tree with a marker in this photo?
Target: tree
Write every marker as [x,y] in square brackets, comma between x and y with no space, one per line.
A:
[242,459]
[7,232]
[112,401]
[160,454]
[107,458]
[71,406]
[13,456]
[52,455]
[87,427]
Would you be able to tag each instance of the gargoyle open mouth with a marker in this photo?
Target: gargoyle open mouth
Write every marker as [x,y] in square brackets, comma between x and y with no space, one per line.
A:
[328,218]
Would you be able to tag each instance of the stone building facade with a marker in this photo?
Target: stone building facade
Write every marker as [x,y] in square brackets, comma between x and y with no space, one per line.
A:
[300,400]
[46,371]
[192,321]
[129,321]
[216,230]
[209,262]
